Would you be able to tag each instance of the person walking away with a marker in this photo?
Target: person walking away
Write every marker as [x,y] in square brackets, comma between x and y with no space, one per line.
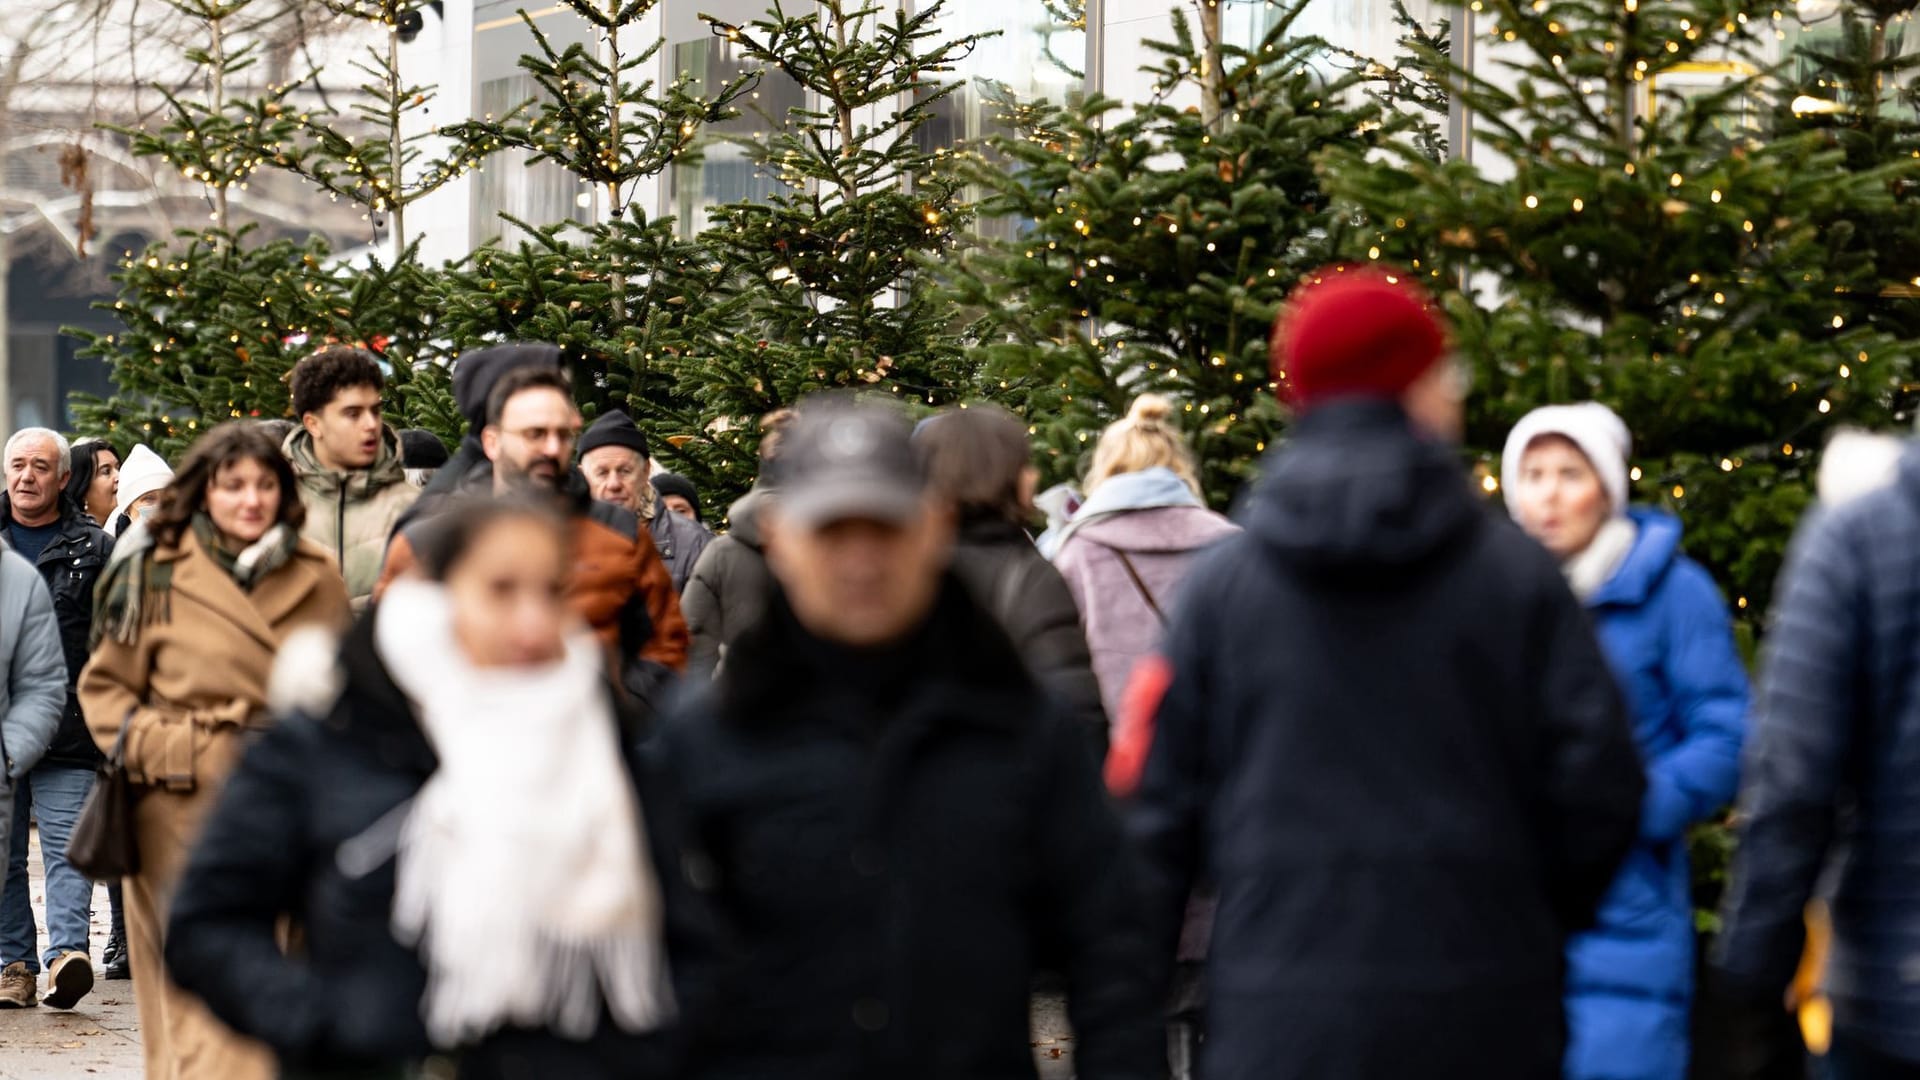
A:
[615,461]
[887,809]
[423,454]
[978,461]
[192,609]
[1384,728]
[33,698]
[1127,549]
[730,585]
[352,478]
[619,585]
[142,478]
[1666,631]
[68,550]
[1828,793]
[678,495]
[486,884]
[93,479]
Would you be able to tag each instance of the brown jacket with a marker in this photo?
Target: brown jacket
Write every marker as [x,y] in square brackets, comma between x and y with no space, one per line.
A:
[615,567]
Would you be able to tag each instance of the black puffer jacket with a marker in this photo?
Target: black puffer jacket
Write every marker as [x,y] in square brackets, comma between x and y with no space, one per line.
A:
[1011,579]
[71,565]
[729,588]
[894,836]
[273,848]
[1389,738]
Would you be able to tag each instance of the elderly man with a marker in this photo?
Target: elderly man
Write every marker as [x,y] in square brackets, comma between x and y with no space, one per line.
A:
[613,455]
[69,551]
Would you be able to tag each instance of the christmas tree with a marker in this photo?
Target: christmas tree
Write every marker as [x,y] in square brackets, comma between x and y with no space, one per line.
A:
[824,284]
[1158,243]
[614,295]
[1635,232]
[215,318]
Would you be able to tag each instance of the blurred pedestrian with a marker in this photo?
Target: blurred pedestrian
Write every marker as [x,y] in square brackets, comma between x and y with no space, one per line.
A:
[348,462]
[93,479]
[979,462]
[1829,792]
[887,809]
[730,585]
[615,461]
[1127,549]
[1384,729]
[678,495]
[474,376]
[192,609]
[484,884]
[142,478]
[423,455]
[68,550]
[619,586]
[33,695]
[1665,628]
[277,429]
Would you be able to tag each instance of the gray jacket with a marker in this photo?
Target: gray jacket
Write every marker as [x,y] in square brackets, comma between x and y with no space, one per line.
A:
[33,674]
[729,587]
[679,542]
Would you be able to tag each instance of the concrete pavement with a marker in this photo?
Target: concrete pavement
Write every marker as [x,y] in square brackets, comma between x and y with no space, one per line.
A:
[98,1040]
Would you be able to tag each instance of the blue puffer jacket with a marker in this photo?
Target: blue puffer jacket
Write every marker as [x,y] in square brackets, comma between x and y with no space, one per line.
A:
[1666,632]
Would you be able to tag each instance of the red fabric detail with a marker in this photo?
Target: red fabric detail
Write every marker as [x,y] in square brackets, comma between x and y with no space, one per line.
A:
[1139,710]
[1355,332]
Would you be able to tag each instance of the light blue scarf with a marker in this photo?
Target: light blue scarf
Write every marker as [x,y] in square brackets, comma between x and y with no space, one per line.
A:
[1148,489]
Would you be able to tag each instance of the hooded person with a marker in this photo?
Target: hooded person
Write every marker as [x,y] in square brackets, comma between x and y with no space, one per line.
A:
[1666,630]
[731,585]
[1380,725]
[615,459]
[143,476]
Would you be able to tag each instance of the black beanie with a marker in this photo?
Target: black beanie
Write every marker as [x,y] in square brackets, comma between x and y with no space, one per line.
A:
[614,429]
[667,483]
[476,373]
[421,449]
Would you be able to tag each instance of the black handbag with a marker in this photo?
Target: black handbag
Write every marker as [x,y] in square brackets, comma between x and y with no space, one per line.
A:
[102,845]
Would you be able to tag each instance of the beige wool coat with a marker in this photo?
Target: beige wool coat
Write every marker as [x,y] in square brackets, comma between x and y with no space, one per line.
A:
[189,689]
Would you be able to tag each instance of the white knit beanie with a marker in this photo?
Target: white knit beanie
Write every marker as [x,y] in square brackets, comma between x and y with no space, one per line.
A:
[142,473]
[1597,430]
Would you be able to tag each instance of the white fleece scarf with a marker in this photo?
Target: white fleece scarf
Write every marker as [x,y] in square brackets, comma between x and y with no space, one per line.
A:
[1602,558]
[521,873]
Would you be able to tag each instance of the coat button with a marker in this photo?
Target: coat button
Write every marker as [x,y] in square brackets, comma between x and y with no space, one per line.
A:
[870,1014]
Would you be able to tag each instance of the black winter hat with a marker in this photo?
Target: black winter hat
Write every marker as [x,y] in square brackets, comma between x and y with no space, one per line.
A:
[421,449]
[667,483]
[478,372]
[614,428]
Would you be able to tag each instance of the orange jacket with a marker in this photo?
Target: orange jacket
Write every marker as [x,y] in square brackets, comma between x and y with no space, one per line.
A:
[615,565]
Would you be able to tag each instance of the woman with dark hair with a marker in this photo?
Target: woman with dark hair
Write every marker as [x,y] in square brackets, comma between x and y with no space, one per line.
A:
[189,614]
[450,805]
[93,480]
[978,459]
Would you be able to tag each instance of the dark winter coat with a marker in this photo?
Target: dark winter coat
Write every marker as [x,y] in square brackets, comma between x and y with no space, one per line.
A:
[893,837]
[1664,628]
[1388,737]
[729,588]
[1010,577]
[70,565]
[1830,773]
[274,846]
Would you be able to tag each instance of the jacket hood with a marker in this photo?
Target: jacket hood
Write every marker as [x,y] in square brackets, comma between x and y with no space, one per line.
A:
[1157,488]
[388,468]
[744,516]
[1656,543]
[1356,489]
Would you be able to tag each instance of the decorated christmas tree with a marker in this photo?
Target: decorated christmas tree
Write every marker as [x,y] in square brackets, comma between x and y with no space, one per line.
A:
[1156,243]
[214,318]
[616,294]
[1636,229]
[824,283]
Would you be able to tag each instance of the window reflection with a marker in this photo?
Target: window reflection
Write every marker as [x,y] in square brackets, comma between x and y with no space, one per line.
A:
[724,173]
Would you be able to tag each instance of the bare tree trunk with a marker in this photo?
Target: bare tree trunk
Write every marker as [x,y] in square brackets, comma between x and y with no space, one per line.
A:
[395,205]
[1211,106]
[218,30]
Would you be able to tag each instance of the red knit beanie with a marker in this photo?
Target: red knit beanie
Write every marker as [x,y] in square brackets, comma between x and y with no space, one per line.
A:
[1359,332]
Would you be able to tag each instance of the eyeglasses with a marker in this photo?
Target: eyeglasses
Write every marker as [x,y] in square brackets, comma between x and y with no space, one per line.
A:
[540,436]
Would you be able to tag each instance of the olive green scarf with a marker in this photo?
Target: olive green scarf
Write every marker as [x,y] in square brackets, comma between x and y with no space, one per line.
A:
[136,591]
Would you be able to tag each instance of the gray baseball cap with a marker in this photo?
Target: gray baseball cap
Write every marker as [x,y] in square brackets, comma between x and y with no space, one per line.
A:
[847,460]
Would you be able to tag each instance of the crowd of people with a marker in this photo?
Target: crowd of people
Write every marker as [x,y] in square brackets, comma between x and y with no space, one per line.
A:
[498,762]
